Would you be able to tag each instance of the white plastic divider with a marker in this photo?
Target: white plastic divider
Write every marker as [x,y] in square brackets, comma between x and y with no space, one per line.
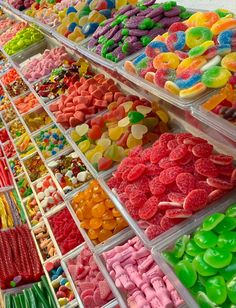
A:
[188,229]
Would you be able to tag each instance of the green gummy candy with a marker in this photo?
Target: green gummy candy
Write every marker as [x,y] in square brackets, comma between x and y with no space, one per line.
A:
[146,24]
[231,211]
[167,6]
[229,271]
[125,47]
[204,301]
[202,267]
[142,7]
[180,246]
[212,221]
[227,240]
[193,249]
[135,117]
[216,289]
[186,273]
[227,224]
[197,288]
[156,6]
[125,32]
[205,239]
[145,40]
[185,15]
[181,8]
[231,289]
[188,257]
[170,258]
[217,257]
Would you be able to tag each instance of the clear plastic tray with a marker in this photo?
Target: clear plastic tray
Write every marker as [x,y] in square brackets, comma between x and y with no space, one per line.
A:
[64,261]
[216,122]
[180,127]
[188,229]
[160,92]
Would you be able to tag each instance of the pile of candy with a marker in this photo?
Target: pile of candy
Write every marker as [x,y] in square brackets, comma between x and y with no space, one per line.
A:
[37,119]
[170,181]
[33,212]
[134,271]
[192,56]
[43,65]
[129,122]
[44,241]
[84,99]
[23,39]
[61,79]
[16,167]
[89,281]
[39,294]
[4,64]
[21,5]
[23,187]
[223,104]
[69,171]
[18,268]
[24,146]
[9,114]
[26,102]
[4,135]
[5,175]
[50,141]
[205,260]
[47,193]
[9,149]
[16,129]
[60,284]
[65,231]
[35,167]
[132,28]
[97,213]
[6,36]
[11,210]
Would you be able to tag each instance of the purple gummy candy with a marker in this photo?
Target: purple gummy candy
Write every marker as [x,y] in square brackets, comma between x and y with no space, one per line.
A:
[111,32]
[156,31]
[149,3]
[99,49]
[132,12]
[157,18]
[155,12]
[117,51]
[92,43]
[102,30]
[168,21]
[145,12]
[133,22]
[138,32]
[173,12]
[136,47]
[118,36]
[130,39]
[123,10]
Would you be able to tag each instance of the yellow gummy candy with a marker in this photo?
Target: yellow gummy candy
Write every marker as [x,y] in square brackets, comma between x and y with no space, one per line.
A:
[132,142]
[83,20]
[96,157]
[143,109]
[82,129]
[163,116]
[123,122]
[127,105]
[138,130]
[115,133]
[84,146]
[104,142]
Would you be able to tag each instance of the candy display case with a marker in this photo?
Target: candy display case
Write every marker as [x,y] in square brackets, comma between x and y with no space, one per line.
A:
[95,212]
[210,220]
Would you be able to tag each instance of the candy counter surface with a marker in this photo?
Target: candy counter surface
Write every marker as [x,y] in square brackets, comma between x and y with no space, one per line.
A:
[103,177]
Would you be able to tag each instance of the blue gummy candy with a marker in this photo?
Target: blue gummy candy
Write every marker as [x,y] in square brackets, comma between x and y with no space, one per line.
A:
[223,49]
[188,83]
[181,40]
[71,9]
[110,4]
[139,58]
[159,45]
[225,37]
[106,13]
[89,28]
[54,152]
[54,277]
[59,271]
[63,281]
[72,26]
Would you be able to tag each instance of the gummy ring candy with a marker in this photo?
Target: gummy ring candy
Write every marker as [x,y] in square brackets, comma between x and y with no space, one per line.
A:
[176,41]
[222,25]
[217,50]
[227,37]
[210,19]
[201,49]
[215,77]
[154,48]
[167,58]
[195,20]
[229,62]
[188,82]
[198,35]
[214,61]
[164,74]
[191,64]
[193,91]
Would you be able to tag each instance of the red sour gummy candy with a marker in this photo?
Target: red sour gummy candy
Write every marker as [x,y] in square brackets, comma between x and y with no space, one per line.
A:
[195,200]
